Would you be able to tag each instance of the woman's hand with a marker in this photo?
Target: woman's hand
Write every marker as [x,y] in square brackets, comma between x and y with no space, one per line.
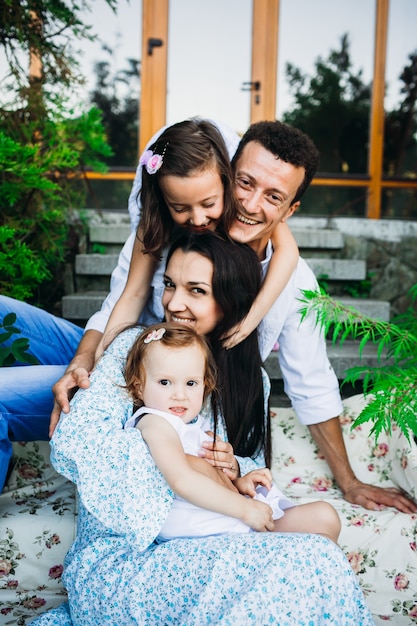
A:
[220,455]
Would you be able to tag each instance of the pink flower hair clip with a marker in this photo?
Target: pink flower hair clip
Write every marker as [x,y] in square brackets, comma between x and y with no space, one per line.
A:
[152,161]
[155,335]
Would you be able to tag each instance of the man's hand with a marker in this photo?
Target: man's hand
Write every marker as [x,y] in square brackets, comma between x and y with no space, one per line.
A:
[376,498]
[63,391]
[328,436]
[77,375]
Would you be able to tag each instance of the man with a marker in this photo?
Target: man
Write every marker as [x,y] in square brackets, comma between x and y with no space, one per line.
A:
[274,164]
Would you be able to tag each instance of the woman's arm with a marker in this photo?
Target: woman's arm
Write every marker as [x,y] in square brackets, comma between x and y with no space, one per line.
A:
[130,305]
[193,486]
[283,262]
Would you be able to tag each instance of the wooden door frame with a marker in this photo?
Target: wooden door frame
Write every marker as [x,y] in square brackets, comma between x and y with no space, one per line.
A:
[152,108]
[265,23]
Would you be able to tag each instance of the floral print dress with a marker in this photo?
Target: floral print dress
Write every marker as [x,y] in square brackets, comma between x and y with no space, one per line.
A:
[116,574]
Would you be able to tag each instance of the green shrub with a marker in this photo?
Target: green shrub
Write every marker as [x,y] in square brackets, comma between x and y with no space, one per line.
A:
[44,144]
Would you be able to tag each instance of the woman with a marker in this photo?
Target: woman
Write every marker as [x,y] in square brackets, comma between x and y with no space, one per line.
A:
[115,573]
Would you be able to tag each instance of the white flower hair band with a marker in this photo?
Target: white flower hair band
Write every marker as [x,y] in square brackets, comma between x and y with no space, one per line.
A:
[155,335]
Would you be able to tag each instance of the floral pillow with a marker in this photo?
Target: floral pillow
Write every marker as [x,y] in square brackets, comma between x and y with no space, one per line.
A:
[38,525]
[380,545]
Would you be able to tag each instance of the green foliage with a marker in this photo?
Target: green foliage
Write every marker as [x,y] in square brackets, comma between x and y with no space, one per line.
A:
[17,351]
[44,145]
[20,268]
[116,94]
[333,107]
[48,27]
[392,385]
[98,248]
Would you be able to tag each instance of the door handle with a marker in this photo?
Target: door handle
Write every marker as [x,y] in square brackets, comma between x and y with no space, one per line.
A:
[251,86]
[154,43]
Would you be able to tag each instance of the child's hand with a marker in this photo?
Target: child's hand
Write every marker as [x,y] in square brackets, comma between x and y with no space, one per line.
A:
[258,516]
[241,331]
[247,484]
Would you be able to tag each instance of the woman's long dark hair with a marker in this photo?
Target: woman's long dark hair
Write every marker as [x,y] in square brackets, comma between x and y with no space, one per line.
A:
[236,282]
[188,148]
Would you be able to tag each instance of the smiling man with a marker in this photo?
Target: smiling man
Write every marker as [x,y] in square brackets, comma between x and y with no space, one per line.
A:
[273,165]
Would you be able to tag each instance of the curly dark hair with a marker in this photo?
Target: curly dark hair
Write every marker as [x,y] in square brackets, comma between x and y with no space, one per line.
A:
[287,143]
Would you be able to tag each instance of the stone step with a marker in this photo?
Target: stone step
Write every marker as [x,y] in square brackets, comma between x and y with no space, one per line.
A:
[338,269]
[109,233]
[341,357]
[95,264]
[82,305]
[323,239]
[332,269]
[306,238]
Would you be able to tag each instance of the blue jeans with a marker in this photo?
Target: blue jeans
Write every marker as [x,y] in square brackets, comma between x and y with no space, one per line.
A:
[26,398]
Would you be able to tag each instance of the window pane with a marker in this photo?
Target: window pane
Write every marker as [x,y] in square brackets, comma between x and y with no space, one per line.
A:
[105,194]
[334,201]
[400,145]
[111,67]
[209,57]
[400,204]
[325,65]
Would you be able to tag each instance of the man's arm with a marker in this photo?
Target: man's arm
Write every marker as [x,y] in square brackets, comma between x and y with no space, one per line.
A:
[329,438]
[313,388]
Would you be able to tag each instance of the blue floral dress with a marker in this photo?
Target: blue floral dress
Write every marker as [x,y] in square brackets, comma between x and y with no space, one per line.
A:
[116,574]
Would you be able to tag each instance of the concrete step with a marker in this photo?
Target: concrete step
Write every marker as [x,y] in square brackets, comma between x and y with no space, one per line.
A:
[323,239]
[95,264]
[378,309]
[332,269]
[338,269]
[109,233]
[307,238]
[341,357]
[82,305]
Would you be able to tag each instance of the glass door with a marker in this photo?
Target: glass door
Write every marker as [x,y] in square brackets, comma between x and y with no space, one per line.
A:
[209,61]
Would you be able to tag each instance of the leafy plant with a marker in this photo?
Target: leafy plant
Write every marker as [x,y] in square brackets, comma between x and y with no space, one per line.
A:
[44,142]
[17,351]
[392,385]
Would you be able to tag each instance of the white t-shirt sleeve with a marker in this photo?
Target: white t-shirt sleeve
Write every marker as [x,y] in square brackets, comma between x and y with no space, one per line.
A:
[309,379]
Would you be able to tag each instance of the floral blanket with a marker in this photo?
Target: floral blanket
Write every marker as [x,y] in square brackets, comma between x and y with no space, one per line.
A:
[38,512]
